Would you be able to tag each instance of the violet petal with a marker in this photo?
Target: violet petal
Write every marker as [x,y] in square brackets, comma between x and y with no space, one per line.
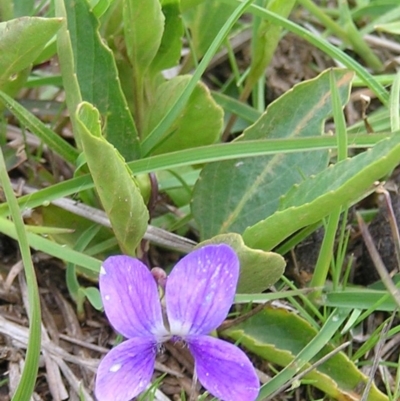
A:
[200,289]
[130,297]
[126,370]
[223,369]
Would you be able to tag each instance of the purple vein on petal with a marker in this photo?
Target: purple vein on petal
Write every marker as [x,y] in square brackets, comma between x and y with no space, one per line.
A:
[223,369]
[130,297]
[200,289]
[126,370]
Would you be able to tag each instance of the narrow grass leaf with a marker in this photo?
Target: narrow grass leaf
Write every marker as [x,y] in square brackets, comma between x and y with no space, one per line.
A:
[45,134]
[286,339]
[27,381]
[395,104]
[322,44]
[266,40]
[187,157]
[87,264]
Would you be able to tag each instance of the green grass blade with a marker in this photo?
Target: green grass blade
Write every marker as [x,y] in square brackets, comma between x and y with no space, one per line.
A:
[155,136]
[326,47]
[45,134]
[204,154]
[328,330]
[327,248]
[394,104]
[67,64]
[28,378]
[90,265]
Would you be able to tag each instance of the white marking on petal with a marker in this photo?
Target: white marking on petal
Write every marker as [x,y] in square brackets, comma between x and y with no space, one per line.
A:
[107,297]
[116,367]
[102,270]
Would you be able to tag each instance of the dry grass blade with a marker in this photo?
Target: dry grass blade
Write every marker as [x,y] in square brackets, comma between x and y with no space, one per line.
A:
[377,357]
[153,234]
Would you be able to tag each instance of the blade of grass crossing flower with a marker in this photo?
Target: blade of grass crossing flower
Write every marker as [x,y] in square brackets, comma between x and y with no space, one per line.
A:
[395,103]
[326,47]
[156,135]
[28,378]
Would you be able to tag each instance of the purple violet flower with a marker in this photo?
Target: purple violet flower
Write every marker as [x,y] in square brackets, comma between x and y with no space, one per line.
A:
[198,295]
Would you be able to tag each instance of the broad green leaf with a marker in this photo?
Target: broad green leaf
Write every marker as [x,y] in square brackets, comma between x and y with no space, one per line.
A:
[235,194]
[259,270]
[169,52]
[143,27]
[100,7]
[23,8]
[199,123]
[278,336]
[392,27]
[186,4]
[341,184]
[97,75]
[67,66]
[114,182]
[21,42]
[204,22]
[6,10]
[93,295]
[158,133]
[16,81]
